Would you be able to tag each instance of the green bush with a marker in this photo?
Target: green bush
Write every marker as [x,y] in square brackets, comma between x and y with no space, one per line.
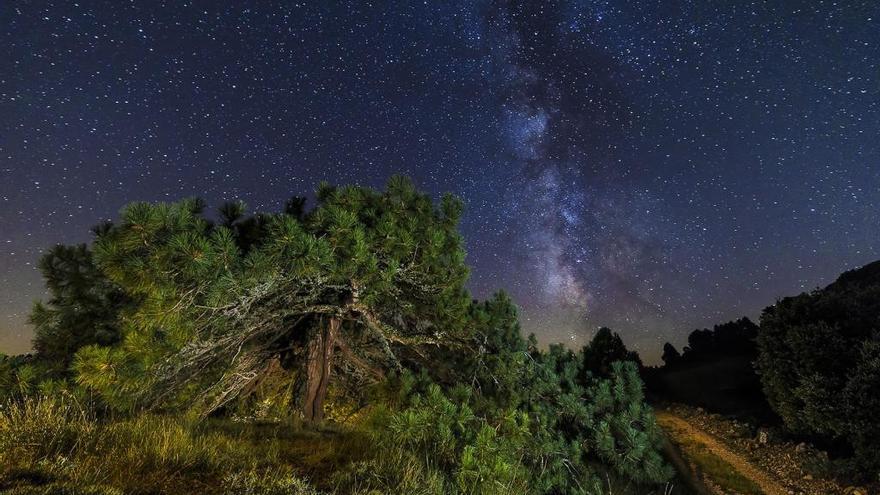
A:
[625,433]
[577,441]
[481,456]
[437,445]
[583,426]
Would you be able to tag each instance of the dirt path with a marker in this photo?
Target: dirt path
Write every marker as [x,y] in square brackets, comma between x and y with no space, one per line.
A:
[680,429]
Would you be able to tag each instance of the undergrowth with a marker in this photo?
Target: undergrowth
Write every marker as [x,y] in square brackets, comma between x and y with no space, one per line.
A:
[433,446]
[58,446]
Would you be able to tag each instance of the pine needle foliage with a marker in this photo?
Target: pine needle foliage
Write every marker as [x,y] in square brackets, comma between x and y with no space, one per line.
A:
[512,418]
[218,304]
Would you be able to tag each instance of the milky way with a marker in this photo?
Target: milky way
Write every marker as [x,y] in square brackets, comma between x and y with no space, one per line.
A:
[649,166]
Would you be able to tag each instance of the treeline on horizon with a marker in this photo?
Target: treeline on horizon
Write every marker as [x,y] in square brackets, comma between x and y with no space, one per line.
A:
[714,370]
[173,337]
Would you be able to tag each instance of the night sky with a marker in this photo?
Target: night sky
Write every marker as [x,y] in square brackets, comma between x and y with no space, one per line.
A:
[649,166]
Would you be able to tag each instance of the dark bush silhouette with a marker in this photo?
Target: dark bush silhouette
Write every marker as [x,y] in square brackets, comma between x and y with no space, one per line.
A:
[819,360]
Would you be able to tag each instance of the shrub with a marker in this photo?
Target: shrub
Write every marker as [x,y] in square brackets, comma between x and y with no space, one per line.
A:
[437,445]
[626,434]
[819,361]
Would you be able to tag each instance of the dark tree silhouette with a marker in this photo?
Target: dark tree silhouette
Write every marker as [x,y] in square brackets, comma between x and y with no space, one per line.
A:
[733,338]
[604,349]
[671,356]
[82,308]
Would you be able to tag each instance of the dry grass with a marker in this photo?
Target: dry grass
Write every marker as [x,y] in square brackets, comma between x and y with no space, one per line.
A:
[57,447]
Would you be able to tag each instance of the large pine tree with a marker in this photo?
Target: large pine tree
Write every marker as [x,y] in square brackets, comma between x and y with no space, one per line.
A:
[341,287]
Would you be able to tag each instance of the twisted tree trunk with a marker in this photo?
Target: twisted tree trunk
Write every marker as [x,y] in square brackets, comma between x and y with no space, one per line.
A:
[319,360]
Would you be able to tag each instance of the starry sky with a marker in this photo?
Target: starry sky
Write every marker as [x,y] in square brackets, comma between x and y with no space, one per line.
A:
[651,166]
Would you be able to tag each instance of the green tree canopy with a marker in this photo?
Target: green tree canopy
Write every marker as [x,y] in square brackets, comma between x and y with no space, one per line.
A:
[221,306]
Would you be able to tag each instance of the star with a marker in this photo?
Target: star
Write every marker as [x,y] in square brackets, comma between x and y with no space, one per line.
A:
[623,164]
